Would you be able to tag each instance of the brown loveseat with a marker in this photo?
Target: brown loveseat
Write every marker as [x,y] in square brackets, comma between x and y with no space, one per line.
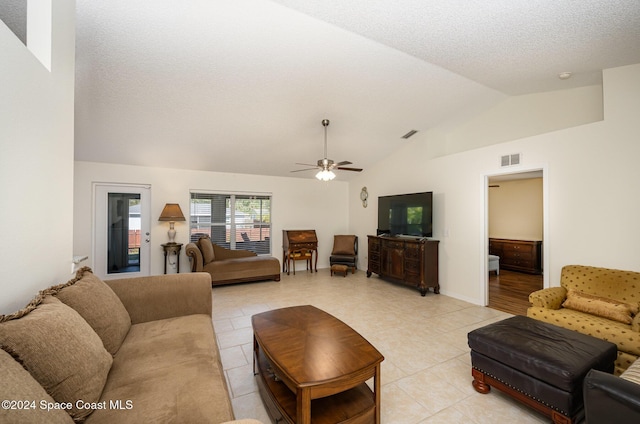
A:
[600,302]
[127,351]
[227,266]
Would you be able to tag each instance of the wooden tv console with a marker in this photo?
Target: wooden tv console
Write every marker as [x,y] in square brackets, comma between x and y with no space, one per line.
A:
[411,261]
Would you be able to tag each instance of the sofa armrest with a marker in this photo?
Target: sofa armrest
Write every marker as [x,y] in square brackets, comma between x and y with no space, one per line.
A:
[164,296]
[550,298]
[195,257]
[610,399]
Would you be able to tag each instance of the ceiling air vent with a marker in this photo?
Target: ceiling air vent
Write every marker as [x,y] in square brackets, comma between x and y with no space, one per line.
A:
[409,134]
[510,160]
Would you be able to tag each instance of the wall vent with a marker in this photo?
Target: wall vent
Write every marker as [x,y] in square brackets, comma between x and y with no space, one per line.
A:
[409,134]
[510,160]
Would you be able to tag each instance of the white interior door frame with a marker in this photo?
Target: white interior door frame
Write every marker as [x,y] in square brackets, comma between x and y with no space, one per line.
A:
[100,224]
[484,236]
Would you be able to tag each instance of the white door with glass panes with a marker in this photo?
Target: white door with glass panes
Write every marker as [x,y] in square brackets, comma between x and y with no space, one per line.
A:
[121,229]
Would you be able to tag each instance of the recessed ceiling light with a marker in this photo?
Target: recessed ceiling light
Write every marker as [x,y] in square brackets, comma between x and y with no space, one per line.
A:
[564,75]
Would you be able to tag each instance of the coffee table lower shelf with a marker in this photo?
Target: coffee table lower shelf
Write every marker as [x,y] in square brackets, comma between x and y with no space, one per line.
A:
[353,406]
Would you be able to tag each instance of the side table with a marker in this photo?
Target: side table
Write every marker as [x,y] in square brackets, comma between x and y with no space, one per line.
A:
[172,248]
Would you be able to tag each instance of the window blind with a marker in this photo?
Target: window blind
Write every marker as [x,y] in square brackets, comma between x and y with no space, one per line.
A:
[234,221]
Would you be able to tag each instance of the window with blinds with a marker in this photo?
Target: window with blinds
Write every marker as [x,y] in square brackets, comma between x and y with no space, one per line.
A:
[234,221]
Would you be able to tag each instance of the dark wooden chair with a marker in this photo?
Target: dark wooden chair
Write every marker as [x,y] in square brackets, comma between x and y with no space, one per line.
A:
[345,251]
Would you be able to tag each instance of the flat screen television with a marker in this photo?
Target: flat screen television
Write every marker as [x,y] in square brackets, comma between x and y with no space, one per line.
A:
[406,214]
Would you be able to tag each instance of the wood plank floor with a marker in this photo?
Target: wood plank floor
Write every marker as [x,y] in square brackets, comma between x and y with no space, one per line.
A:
[509,291]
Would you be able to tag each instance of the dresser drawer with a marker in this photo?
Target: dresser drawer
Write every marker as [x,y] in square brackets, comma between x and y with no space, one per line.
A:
[393,244]
[374,246]
[509,255]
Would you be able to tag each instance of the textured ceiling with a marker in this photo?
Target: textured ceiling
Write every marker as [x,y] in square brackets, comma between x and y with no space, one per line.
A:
[514,46]
[242,85]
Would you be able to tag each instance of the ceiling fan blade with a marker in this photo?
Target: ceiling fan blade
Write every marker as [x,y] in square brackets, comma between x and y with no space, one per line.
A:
[306,164]
[306,169]
[344,162]
[349,169]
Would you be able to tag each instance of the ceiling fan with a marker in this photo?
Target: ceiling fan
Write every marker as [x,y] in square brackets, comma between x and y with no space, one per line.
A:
[326,166]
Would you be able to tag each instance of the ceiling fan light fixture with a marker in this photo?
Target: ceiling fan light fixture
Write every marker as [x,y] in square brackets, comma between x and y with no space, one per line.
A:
[326,165]
[325,175]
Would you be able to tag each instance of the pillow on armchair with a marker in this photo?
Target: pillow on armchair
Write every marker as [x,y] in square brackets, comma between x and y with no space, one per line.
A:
[344,245]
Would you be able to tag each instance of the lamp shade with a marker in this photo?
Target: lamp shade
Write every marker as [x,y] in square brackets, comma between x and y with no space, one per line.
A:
[171,212]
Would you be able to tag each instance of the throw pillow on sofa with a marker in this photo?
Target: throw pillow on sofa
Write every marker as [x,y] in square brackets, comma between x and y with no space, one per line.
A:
[26,396]
[600,306]
[94,300]
[206,247]
[60,350]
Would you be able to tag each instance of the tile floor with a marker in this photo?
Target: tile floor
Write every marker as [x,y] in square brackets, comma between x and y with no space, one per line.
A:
[426,374]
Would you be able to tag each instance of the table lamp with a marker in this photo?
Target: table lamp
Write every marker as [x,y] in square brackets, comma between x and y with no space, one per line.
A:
[171,213]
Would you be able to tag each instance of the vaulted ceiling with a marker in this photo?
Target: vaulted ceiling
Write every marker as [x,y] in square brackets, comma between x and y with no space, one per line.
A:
[242,85]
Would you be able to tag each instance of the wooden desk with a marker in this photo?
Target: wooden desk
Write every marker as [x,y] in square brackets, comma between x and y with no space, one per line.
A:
[312,368]
[299,245]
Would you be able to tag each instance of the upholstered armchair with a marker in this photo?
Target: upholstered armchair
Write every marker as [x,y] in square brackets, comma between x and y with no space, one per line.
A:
[345,251]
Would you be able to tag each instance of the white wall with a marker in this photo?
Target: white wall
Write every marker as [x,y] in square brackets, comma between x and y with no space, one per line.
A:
[516,209]
[526,116]
[591,175]
[297,204]
[36,163]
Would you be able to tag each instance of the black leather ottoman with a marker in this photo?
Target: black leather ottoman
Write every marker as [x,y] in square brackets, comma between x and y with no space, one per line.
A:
[538,364]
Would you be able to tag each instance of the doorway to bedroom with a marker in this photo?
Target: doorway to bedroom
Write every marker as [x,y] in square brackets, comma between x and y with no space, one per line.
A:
[515,235]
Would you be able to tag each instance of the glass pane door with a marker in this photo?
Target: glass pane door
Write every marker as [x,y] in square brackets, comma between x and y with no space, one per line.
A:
[123,254]
[121,230]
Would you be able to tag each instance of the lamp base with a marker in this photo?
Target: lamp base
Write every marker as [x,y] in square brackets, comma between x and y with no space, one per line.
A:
[171,233]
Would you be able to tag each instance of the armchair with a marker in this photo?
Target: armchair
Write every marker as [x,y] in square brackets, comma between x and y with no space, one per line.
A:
[609,398]
[345,251]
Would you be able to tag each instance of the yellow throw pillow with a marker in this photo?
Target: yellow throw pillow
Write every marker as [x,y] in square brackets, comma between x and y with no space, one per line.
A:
[599,306]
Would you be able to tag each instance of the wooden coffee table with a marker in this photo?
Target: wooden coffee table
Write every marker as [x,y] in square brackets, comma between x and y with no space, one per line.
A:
[313,368]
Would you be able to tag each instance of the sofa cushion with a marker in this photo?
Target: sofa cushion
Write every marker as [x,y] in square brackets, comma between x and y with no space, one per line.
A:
[206,247]
[99,306]
[171,371]
[240,268]
[602,328]
[60,350]
[600,306]
[344,245]
[19,386]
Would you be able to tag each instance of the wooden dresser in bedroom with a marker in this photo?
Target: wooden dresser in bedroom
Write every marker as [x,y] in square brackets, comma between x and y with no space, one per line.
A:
[518,255]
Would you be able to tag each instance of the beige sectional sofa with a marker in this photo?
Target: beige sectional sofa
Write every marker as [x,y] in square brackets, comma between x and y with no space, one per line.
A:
[227,266]
[124,351]
[600,302]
